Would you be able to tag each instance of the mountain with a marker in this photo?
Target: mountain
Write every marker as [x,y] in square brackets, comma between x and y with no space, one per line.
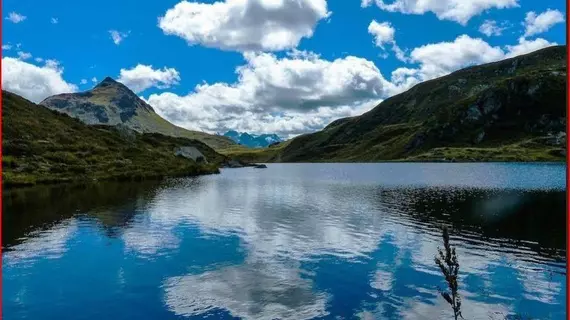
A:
[253,141]
[45,146]
[511,110]
[112,103]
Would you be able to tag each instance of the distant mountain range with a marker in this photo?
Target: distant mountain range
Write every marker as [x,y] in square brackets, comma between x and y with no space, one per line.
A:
[253,141]
[112,103]
[511,110]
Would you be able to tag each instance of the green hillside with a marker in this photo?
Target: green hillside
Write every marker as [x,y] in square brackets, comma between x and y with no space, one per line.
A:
[511,110]
[45,146]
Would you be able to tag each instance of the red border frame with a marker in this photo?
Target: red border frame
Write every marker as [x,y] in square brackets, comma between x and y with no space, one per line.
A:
[1,180]
[567,158]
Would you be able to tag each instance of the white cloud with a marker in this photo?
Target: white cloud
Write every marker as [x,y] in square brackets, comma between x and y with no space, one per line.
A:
[439,59]
[524,46]
[6,47]
[53,64]
[83,81]
[118,36]
[289,96]
[54,20]
[38,59]
[15,17]
[24,55]
[94,79]
[442,58]
[245,25]
[535,24]
[384,34]
[143,77]
[460,11]
[303,93]
[490,28]
[33,82]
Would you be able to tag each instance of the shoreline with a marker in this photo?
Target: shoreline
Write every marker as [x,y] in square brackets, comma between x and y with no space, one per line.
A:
[115,178]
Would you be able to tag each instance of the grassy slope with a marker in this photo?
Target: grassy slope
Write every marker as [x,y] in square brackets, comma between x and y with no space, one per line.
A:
[269,154]
[156,123]
[44,146]
[430,122]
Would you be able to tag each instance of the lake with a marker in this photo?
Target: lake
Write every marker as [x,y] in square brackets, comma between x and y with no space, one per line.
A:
[294,241]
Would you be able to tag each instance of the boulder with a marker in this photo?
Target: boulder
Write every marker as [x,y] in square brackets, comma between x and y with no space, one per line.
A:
[191,153]
[233,164]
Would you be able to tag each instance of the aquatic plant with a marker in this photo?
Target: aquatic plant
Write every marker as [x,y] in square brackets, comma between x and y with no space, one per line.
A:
[447,262]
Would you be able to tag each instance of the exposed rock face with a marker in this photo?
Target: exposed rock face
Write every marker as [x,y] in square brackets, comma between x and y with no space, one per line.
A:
[191,153]
[479,137]
[558,139]
[112,103]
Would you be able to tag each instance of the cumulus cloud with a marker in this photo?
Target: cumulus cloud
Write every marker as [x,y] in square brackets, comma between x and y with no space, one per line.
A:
[383,33]
[38,59]
[289,95]
[535,24]
[143,77]
[444,57]
[15,17]
[460,11]
[6,47]
[491,28]
[94,79]
[245,25]
[34,82]
[24,55]
[524,46]
[54,20]
[303,92]
[53,64]
[438,59]
[118,36]
[83,81]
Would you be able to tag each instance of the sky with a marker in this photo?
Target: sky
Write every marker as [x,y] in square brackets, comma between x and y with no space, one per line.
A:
[262,66]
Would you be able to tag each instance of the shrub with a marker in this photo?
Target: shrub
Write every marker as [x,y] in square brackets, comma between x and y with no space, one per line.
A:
[449,266]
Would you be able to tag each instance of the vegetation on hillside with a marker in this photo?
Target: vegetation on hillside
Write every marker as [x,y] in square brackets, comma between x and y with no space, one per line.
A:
[511,110]
[269,154]
[45,146]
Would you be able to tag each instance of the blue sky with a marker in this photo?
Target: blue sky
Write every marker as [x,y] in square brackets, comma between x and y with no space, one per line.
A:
[303,63]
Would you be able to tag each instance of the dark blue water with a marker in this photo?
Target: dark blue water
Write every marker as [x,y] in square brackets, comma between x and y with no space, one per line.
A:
[294,241]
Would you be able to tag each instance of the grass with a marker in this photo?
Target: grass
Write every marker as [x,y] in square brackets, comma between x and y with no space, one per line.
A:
[269,154]
[523,151]
[41,146]
[509,153]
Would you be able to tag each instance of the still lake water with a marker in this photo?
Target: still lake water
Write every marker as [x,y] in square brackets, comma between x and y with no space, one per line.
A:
[294,241]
